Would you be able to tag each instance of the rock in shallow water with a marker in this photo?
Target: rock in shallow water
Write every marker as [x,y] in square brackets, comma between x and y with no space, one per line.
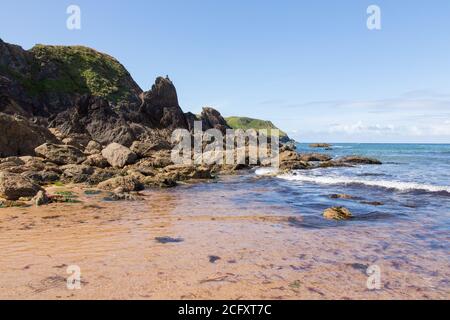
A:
[118,155]
[337,213]
[358,160]
[13,186]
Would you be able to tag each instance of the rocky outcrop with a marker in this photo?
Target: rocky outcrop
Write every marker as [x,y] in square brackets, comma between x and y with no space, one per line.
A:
[358,160]
[13,186]
[160,108]
[320,145]
[60,154]
[118,156]
[212,119]
[291,160]
[19,136]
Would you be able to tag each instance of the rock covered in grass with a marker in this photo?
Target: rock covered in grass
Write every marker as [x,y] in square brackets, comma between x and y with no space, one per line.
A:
[337,213]
[60,154]
[13,186]
[118,155]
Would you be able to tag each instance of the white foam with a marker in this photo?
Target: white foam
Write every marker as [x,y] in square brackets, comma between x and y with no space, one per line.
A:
[269,171]
[335,180]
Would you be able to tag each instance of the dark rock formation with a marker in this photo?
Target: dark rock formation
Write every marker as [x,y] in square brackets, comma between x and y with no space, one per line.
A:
[19,136]
[13,186]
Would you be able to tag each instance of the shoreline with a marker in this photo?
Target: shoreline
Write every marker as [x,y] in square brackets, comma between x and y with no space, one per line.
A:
[225,250]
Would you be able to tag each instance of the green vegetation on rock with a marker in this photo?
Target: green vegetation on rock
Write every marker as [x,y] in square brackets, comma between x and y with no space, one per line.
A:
[249,123]
[75,70]
[82,70]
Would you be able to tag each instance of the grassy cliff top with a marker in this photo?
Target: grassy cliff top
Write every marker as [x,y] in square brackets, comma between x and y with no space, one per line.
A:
[249,123]
[78,69]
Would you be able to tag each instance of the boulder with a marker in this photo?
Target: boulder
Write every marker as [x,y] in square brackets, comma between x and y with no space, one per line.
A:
[13,186]
[41,177]
[60,154]
[77,173]
[19,137]
[126,184]
[337,213]
[118,155]
[96,160]
[93,147]
[145,149]
[291,160]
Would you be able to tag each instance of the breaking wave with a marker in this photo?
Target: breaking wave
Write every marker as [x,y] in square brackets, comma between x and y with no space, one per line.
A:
[339,180]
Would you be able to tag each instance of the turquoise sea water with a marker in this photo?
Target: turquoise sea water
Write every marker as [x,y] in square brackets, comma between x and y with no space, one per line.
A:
[411,187]
[412,183]
[401,212]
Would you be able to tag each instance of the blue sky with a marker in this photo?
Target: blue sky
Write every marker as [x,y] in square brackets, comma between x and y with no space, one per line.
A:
[312,67]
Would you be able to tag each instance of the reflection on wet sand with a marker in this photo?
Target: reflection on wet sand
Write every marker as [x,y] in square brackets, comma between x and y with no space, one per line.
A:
[201,245]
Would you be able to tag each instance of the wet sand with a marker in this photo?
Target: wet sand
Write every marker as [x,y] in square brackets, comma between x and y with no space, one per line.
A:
[223,250]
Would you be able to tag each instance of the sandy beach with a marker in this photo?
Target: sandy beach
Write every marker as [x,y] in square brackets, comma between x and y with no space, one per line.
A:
[220,250]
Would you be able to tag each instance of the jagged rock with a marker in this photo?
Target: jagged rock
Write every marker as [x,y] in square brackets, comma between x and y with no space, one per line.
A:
[60,154]
[212,118]
[126,184]
[145,149]
[314,157]
[160,107]
[118,156]
[337,213]
[96,160]
[93,147]
[19,137]
[358,160]
[13,186]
